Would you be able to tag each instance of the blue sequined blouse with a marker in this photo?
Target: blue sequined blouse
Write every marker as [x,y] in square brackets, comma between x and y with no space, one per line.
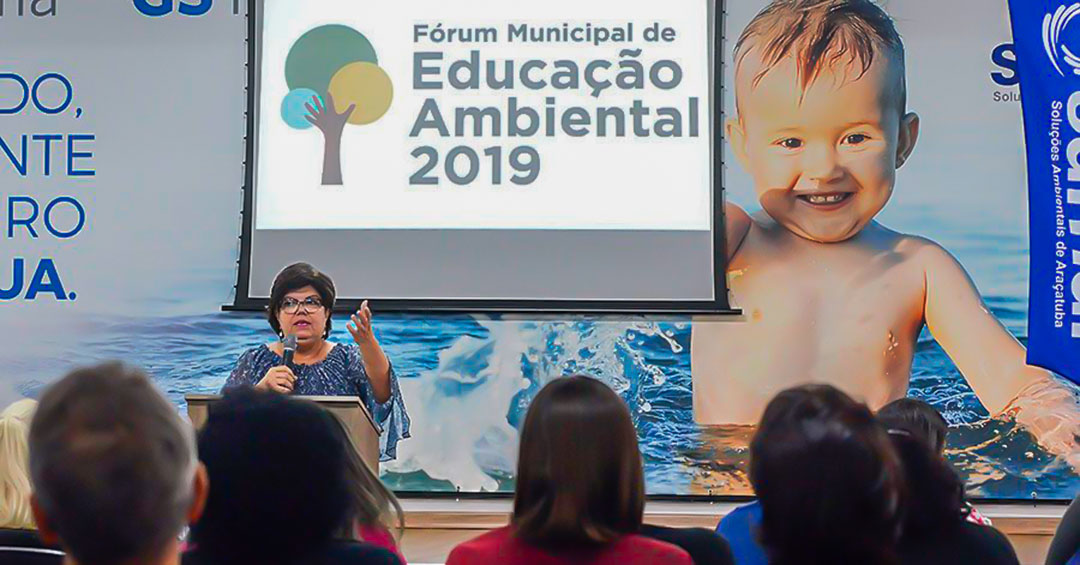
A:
[340,374]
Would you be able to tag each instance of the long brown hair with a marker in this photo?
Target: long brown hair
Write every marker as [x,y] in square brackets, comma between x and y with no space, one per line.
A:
[579,475]
[372,505]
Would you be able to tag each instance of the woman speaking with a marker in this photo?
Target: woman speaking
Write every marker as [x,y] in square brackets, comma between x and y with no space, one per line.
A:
[301,301]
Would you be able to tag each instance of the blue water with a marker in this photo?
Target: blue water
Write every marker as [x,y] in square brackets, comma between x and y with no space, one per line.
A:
[467,382]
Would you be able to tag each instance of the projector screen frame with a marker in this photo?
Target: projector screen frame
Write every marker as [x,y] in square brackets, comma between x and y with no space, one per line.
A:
[718,306]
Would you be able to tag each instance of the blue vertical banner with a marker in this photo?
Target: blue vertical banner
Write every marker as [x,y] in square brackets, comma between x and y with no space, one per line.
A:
[1047,38]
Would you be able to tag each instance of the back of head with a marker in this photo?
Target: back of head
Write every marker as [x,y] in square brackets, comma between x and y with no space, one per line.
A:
[827,478]
[277,474]
[372,504]
[935,493]
[112,465]
[579,477]
[821,33]
[14,472]
[917,418]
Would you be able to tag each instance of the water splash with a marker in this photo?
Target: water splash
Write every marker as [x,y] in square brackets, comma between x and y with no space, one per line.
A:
[466,437]
[468,381]
[462,434]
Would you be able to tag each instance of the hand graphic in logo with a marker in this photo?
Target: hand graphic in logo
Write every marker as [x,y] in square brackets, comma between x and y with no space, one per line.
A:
[334,80]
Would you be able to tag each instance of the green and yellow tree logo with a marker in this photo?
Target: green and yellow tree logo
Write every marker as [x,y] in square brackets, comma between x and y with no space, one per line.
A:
[334,79]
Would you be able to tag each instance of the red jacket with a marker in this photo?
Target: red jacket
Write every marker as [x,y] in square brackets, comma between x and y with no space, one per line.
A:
[500,546]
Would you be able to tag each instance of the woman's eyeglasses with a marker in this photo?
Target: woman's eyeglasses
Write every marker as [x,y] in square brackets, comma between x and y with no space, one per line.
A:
[293,306]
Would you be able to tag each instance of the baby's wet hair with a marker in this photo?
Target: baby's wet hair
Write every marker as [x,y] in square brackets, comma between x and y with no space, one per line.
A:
[821,34]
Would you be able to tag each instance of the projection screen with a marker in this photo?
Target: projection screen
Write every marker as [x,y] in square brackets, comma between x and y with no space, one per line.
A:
[482,154]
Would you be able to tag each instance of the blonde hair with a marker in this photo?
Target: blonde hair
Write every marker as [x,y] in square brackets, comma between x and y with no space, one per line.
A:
[823,33]
[14,467]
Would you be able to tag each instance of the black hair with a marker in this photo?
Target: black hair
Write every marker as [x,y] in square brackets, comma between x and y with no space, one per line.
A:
[935,503]
[297,276]
[274,462]
[918,419]
[829,482]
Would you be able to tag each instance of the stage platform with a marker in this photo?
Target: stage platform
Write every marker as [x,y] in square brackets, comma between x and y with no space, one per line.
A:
[434,526]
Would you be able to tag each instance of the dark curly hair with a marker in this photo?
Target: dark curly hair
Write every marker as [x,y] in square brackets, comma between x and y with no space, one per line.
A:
[294,277]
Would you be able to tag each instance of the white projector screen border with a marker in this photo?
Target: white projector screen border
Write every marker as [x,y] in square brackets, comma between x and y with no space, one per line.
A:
[252,286]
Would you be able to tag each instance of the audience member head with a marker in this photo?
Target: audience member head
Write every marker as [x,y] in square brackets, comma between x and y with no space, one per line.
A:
[828,480]
[373,505]
[918,419]
[935,493]
[14,472]
[114,468]
[579,475]
[277,466]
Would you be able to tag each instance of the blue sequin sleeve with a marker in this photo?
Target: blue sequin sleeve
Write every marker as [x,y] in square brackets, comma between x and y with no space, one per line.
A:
[342,373]
[246,372]
[390,415]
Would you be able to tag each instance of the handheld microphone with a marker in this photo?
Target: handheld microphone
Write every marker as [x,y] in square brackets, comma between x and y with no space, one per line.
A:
[289,347]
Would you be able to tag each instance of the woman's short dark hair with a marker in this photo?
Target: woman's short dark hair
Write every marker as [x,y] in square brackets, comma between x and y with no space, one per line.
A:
[918,419]
[579,475]
[294,277]
[278,469]
[829,482]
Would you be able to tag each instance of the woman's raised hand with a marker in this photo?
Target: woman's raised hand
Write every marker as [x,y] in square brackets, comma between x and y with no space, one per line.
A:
[360,326]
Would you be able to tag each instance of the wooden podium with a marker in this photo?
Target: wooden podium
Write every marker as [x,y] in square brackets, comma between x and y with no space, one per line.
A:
[363,431]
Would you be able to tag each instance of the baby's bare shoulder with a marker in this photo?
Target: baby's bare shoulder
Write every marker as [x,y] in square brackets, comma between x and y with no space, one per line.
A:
[910,244]
[924,252]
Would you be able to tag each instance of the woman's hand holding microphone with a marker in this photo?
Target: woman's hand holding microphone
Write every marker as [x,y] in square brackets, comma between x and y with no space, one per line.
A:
[278,379]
